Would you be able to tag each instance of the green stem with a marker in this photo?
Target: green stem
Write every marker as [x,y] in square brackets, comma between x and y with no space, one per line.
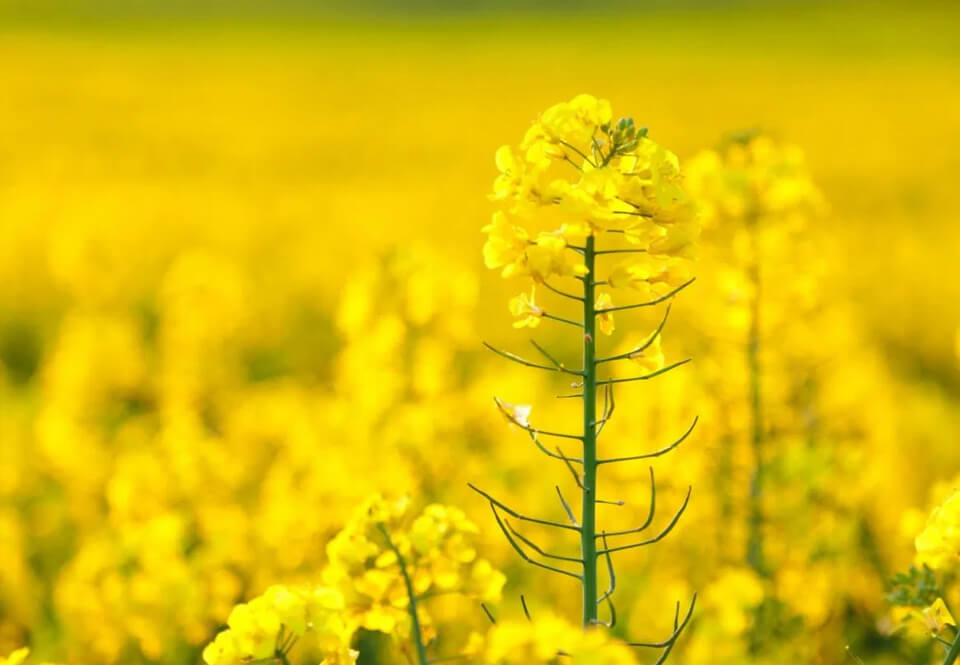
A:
[417,632]
[588,529]
[755,543]
[953,652]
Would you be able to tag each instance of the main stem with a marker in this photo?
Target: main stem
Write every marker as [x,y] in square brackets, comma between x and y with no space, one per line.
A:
[416,631]
[588,519]
[755,544]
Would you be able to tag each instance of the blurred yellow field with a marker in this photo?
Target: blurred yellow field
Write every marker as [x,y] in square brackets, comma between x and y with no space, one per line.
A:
[242,291]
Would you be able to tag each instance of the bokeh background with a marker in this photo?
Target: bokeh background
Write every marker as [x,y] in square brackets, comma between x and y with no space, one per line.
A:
[241,287]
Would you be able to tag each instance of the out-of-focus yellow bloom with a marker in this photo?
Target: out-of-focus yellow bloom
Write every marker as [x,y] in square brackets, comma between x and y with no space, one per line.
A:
[525,308]
[541,640]
[648,354]
[938,545]
[439,554]
[365,585]
[752,177]
[16,658]
[604,320]
[266,625]
[650,275]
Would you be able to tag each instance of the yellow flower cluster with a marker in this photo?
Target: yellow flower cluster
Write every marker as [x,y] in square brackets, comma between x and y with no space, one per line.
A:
[751,176]
[938,545]
[381,550]
[270,624]
[551,639]
[438,551]
[577,173]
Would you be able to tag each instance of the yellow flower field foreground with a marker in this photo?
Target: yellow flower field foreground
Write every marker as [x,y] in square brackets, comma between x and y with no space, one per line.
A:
[244,294]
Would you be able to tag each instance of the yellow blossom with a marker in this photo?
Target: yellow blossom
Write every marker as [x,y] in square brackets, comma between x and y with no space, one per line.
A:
[937,616]
[938,545]
[506,244]
[526,310]
[648,354]
[16,658]
[604,319]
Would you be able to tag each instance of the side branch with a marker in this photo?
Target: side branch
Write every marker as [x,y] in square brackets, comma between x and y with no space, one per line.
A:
[517,359]
[646,522]
[649,303]
[566,507]
[554,289]
[524,555]
[660,536]
[668,643]
[645,377]
[509,416]
[561,456]
[536,548]
[656,453]
[643,347]
[510,511]
[622,251]
[611,573]
[569,322]
[546,354]
[418,641]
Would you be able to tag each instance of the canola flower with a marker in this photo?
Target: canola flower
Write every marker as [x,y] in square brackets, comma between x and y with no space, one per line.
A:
[919,594]
[383,566]
[388,563]
[938,545]
[584,202]
[268,627]
[549,639]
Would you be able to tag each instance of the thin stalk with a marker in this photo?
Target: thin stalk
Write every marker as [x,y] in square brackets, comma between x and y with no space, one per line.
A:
[588,528]
[755,556]
[953,652]
[416,632]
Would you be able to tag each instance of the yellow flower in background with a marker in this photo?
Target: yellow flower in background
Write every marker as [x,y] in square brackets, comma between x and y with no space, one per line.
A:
[649,275]
[526,310]
[16,658]
[551,639]
[938,545]
[604,320]
[648,354]
[255,627]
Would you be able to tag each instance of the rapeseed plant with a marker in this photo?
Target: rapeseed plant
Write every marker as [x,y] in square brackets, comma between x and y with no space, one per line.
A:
[582,179]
